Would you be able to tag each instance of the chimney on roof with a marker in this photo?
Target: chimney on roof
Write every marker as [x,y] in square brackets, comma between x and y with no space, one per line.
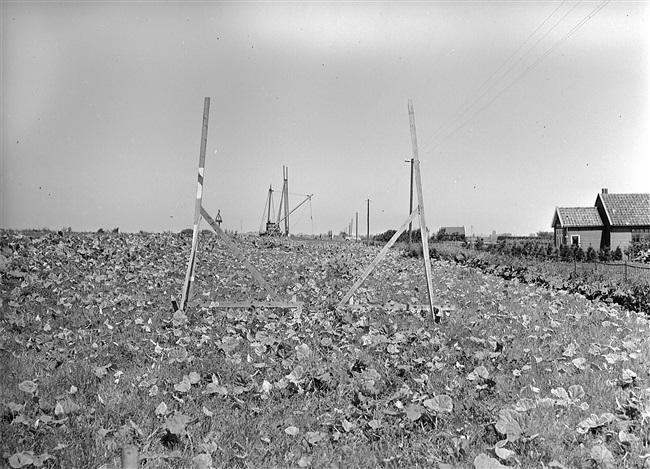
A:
[604,190]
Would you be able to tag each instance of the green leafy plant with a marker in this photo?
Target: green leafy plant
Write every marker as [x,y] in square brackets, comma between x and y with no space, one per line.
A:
[520,372]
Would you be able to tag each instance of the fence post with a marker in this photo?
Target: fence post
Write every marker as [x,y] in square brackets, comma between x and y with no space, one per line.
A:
[626,271]
[130,457]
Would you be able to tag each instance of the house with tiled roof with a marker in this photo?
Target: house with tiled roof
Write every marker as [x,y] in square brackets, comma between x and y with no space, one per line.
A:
[578,226]
[455,233]
[453,230]
[614,221]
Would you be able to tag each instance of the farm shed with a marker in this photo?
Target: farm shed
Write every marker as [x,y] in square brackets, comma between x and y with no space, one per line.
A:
[614,221]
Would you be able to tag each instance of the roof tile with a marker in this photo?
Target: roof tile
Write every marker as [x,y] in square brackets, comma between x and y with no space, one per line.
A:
[579,216]
[627,209]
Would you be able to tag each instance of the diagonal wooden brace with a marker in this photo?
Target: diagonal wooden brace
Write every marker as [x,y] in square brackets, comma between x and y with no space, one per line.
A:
[240,255]
[378,259]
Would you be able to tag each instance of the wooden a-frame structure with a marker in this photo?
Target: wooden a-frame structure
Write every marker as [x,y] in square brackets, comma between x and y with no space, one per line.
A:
[200,212]
[418,212]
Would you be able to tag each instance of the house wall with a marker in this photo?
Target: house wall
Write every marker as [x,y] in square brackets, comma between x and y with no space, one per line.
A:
[606,239]
[558,235]
[588,237]
[620,236]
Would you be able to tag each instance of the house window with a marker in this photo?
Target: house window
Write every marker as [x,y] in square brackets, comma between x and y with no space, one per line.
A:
[639,234]
[575,240]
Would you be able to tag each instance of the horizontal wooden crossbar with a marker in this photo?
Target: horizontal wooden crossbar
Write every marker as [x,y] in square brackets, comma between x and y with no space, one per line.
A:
[402,307]
[255,304]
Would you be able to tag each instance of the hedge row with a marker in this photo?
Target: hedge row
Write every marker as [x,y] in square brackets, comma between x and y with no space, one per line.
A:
[632,295]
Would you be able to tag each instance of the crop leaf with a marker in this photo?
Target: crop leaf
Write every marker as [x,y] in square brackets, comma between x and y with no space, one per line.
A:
[479,372]
[508,424]
[502,451]
[483,461]
[576,392]
[414,412]
[303,352]
[176,424]
[28,386]
[442,403]
[314,437]
[602,455]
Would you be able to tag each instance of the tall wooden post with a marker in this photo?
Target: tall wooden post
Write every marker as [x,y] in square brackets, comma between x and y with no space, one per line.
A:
[189,276]
[286,200]
[357,230]
[270,197]
[411,204]
[130,458]
[368,222]
[423,223]
[418,212]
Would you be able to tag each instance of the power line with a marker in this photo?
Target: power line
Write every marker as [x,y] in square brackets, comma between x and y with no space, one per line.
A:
[594,12]
[525,72]
[455,117]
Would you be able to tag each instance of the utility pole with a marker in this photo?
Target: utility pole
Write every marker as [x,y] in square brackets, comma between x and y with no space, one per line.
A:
[410,203]
[368,222]
[357,231]
[269,215]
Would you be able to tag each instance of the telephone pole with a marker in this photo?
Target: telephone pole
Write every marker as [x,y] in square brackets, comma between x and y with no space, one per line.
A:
[410,203]
[368,221]
[357,231]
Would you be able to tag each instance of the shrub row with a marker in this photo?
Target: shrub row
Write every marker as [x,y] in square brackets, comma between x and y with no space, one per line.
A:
[632,295]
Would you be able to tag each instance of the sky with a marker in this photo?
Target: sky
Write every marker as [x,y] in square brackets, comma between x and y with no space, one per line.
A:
[519,107]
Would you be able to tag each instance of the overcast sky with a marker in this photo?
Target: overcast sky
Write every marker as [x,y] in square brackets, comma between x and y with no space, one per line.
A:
[520,107]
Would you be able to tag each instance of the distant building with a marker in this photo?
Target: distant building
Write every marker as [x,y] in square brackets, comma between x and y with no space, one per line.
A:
[451,233]
[454,230]
[614,221]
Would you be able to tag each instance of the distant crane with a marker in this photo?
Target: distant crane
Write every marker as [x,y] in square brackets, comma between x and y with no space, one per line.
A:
[272,227]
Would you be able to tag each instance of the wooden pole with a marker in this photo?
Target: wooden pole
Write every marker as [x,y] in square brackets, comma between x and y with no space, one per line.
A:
[368,223]
[268,220]
[411,204]
[189,275]
[423,223]
[130,457]
[286,203]
[357,230]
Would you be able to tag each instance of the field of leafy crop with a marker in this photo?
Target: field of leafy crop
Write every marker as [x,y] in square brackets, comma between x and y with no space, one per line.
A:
[93,358]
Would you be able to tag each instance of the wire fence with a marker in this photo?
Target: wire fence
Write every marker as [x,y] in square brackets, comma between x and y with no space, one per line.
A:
[622,271]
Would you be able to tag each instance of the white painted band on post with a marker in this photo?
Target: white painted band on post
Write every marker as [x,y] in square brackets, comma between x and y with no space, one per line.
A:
[199,190]
[201,171]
